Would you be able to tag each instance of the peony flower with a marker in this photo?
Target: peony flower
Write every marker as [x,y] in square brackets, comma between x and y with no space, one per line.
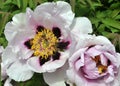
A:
[38,41]
[5,76]
[3,71]
[94,62]
[85,27]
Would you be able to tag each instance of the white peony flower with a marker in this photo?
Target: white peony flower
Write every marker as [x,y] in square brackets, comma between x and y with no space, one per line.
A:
[38,41]
[3,71]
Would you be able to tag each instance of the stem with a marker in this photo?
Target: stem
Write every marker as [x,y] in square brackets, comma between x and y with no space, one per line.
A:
[72,2]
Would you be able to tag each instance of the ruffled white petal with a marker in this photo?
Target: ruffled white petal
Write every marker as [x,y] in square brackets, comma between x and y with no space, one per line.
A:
[49,66]
[90,40]
[31,18]
[9,55]
[51,80]
[21,38]
[19,71]
[13,27]
[16,67]
[81,25]
[1,50]
[62,83]
[7,82]
[19,19]
[3,72]
[59,12]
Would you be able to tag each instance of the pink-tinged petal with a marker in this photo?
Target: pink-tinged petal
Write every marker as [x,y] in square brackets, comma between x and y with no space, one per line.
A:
[90,69]
[114,83]
[118,59]
[81,25]
[19,71]
[110,77]
[95,84]
[76,56]
[91,50]
[78,64]
[112,58]
[7,82]
[60,10]
[81,81]
[74,78]
[103,60]
[118,77]
[51,80]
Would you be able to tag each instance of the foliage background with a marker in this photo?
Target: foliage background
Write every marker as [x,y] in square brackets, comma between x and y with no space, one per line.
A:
[104,15]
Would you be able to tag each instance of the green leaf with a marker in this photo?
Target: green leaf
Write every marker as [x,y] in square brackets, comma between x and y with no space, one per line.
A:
[36,80]
[19,3]
[24,2]
[101,28]
[3,41]
[105,33]
[111,22]
[100,15]
[3,21]
[115,13]
[31,4]
[117,17]
[115,5]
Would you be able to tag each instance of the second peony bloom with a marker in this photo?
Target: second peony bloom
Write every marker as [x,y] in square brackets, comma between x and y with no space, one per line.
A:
[94,62]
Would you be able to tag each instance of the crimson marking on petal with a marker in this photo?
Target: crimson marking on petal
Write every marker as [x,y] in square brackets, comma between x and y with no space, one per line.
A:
[43,60]
[27,44]
[63,45]
[67,84]
[56,32]
[40,28]
[56,56]
[108,63]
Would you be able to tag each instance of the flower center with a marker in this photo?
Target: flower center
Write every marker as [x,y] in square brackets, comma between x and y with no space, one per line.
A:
[44,43]
[101,68]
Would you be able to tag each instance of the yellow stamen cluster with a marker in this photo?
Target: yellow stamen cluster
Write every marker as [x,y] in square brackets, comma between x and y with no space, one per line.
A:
[44,43]
[101,68]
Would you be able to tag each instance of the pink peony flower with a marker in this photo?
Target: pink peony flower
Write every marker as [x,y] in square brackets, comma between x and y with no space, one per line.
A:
[94,62]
